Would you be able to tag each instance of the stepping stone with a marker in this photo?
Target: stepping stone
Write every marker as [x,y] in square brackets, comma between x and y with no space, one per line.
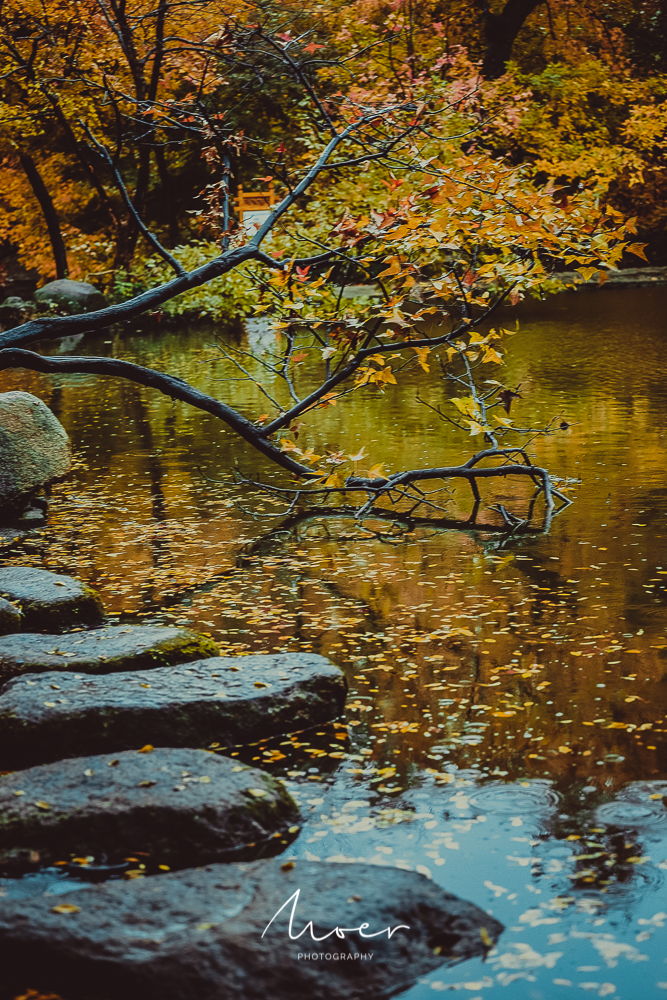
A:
[203,934]
[224,699]
[50,601]
[10,617]
[175,807]
[103,650]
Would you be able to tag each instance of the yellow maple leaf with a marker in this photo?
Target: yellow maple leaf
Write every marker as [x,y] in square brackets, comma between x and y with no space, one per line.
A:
[422,353]
[335,481]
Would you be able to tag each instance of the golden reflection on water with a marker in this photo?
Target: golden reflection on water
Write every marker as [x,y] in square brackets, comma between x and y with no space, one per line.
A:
[537,655]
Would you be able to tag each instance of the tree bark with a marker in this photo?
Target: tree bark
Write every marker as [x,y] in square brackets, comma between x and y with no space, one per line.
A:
[48,211]
[500,31]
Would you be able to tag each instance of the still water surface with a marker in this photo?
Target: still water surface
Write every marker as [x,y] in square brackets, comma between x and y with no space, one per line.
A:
[505,730]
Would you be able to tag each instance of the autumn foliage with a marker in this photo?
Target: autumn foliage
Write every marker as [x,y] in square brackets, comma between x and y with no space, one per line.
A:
[103,94]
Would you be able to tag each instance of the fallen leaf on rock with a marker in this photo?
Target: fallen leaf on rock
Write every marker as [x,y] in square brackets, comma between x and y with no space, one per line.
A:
[66,908]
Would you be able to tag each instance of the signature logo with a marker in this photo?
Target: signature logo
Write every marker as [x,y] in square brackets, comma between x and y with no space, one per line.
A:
[340,932]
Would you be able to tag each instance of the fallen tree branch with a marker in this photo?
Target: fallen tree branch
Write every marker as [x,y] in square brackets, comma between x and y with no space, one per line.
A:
[169,385]
[177,388]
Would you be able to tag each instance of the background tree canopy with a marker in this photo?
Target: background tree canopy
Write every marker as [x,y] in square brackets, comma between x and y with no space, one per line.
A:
[104,100]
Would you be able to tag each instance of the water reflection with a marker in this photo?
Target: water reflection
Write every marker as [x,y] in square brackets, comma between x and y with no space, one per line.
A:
[524,674]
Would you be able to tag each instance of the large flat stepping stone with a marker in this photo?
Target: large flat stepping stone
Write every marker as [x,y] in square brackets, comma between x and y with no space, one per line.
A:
[176,807]
[10,617]
[223,699]
[50,602]
[103,650]
[203,934]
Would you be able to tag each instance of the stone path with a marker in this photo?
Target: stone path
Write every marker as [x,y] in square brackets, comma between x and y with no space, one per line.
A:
[104,650]
[10,617]
[176,807]
[203,934]
[222,699]
[50,602]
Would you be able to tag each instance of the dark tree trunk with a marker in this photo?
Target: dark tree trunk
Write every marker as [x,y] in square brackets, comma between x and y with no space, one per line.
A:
[168,195]
[500,32]
[127,232]
[49,212]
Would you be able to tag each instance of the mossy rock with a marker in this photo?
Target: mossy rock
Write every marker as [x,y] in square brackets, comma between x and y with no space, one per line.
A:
[102,650]
[50,602]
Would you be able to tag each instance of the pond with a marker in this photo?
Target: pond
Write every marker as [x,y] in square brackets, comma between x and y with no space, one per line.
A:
[505,728]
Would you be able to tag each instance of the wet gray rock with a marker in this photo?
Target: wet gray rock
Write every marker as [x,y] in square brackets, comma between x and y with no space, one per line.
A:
[223,699]
[10,617]
[15,302]
[32,517]
[34,447]
[176,807]
[74,296]
[201,934]
[12,307]
[102,650]
[50,601]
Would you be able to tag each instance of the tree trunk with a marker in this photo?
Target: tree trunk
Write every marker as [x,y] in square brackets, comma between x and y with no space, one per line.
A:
[49,212]
[127,232]
[500,31]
